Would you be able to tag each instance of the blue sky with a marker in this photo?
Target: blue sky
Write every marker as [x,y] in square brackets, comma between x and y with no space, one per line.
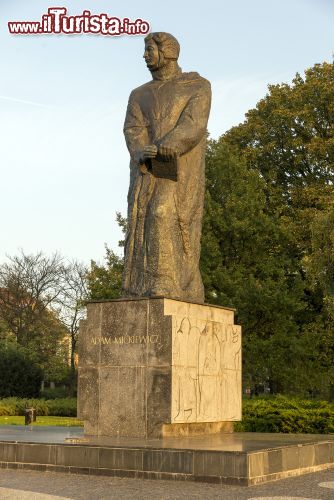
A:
[64,164]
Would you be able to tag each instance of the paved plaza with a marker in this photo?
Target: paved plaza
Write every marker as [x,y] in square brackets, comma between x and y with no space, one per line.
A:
[32,485]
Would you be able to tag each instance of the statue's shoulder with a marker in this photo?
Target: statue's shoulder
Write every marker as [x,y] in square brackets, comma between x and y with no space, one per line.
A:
[196,78]
[138,91]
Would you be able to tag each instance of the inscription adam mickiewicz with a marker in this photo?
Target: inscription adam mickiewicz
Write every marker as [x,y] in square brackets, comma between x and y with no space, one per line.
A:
[126,339]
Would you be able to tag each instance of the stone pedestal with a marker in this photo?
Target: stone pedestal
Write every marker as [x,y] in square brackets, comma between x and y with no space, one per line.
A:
[154,365]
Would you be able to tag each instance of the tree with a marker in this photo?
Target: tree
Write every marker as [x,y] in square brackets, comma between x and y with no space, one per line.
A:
[267,181]
[20,376]
[288,137]
[69,306]
[320,262]
[41,304]
[105,281]
[246,263]
[29,284]
[319,266]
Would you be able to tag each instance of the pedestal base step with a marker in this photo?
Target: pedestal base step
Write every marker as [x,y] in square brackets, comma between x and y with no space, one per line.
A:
[241,458]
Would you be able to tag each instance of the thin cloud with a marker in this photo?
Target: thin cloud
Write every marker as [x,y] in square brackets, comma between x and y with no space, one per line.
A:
[22,101]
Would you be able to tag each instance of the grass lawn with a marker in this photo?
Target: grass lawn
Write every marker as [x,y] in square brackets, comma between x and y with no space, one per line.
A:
[64,421]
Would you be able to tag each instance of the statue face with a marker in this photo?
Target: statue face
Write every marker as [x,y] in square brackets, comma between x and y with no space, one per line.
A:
[151,55]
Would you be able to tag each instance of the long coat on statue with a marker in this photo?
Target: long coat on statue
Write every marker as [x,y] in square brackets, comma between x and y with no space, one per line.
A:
[162,247]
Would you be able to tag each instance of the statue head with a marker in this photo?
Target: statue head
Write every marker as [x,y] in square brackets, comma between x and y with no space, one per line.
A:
[160,48]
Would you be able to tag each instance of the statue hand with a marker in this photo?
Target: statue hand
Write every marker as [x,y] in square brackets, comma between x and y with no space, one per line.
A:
[148,152]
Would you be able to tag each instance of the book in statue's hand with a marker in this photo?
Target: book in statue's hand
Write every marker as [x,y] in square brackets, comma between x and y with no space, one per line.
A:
[163,169]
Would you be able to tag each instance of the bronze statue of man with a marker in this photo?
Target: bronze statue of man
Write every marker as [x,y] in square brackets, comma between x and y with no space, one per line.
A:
[165,131]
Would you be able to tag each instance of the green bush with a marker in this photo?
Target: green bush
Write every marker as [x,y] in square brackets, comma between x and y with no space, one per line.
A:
[16,406]
[263,414]
[19,375]
[287,415]
[66,407]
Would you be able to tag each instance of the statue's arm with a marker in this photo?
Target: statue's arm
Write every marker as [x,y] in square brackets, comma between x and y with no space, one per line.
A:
[192,124]
[135,129]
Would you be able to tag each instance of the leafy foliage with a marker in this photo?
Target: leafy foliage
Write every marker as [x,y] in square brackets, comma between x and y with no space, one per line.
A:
[28,285]
[288,138]
[105,281]
[66,407]
[285,415]
[41,304]
[267,242]
[19,375]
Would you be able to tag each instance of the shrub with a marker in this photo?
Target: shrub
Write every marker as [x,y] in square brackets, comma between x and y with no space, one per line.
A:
[287,415]
[66,407]
[16,406]
[19,375]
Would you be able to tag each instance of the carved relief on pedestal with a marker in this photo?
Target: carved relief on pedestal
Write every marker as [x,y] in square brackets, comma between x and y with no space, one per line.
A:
[206,367]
